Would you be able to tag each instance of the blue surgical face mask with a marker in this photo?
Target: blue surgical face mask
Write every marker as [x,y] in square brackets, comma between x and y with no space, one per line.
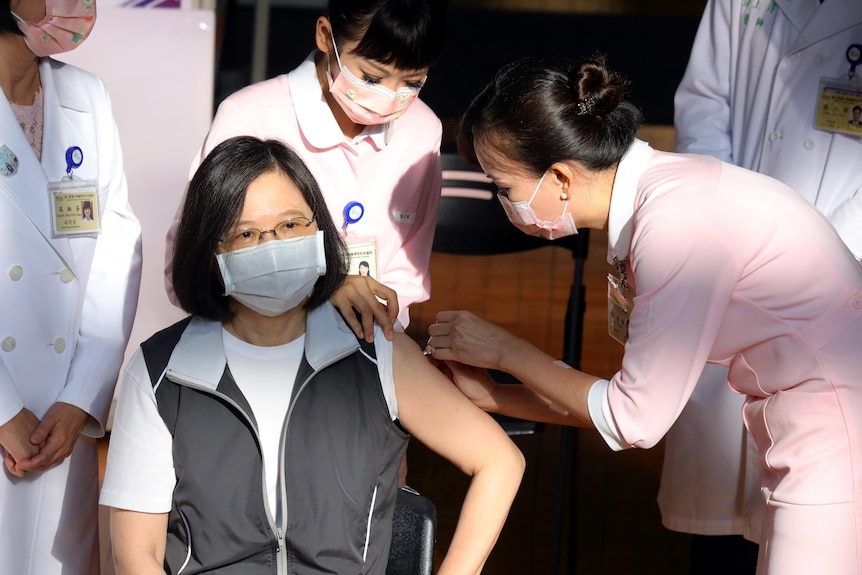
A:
[275,276]
[522,216]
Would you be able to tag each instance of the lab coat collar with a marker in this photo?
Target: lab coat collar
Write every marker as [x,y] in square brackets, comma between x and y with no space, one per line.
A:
[64,105]
[315,119]
[29,187]
[629,171]
[199,359]
[815,23]
[798,12]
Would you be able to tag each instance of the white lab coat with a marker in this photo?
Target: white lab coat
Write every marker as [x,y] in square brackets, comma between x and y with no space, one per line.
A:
[749,97]
[68,307]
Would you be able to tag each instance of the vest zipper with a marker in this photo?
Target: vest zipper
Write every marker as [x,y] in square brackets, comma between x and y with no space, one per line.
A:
[282,480]
[275,530]
[281,557]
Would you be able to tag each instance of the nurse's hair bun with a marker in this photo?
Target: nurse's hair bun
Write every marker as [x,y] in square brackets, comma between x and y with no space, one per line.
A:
[596,91]
[537,111]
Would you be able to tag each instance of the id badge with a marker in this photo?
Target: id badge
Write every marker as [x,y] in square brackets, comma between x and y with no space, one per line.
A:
[620,306]
[839,107]
[363,258]
[74,207]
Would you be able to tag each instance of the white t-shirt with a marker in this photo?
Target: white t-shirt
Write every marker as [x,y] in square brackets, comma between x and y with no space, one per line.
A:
[265,375]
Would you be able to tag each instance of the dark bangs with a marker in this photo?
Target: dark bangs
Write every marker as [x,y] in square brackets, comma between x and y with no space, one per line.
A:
[405,33]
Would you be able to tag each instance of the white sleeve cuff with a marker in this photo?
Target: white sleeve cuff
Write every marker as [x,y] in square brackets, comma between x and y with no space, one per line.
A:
[600,413]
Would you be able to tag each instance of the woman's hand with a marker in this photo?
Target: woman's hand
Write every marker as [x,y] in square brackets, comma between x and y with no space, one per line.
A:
[56,434]
[474,382]
[15,439]
[363,294]
[465,337]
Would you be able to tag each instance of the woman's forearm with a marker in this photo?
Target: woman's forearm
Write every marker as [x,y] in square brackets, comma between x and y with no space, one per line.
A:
[563,388]
[483,513]
[516,400]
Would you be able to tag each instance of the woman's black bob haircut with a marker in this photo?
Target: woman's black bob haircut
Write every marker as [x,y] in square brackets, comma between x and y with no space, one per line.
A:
[8,24]
[405,33]
[213,204]
[538,111]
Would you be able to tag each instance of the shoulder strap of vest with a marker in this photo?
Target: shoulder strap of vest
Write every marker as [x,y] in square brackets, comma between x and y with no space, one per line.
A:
[157,349]
[366,347]
[157,352]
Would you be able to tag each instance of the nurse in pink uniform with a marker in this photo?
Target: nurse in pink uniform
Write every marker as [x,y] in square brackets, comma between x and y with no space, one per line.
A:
[351,111]
[707,271]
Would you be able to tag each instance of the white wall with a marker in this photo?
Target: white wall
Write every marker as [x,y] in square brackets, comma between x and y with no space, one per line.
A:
[158,65]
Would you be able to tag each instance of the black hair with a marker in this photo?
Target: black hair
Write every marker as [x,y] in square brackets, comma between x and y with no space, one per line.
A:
[406,33]
[213,204]
[857,108]
[8,24]
[538,111]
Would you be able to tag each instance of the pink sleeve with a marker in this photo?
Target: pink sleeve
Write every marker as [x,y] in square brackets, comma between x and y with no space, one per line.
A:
[685,274]
[408,272]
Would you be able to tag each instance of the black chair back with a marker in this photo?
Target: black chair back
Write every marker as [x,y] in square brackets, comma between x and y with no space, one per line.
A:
[414,527]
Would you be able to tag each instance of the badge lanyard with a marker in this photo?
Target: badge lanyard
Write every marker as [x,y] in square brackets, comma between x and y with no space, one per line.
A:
[74,202]
[839,107]
[620,303]
[361,251]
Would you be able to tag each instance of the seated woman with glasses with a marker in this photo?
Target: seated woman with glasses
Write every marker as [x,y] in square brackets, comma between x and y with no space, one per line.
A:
[259,435]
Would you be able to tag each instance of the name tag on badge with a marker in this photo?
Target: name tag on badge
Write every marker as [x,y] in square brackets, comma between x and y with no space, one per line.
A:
[74,208]
[363,258]
[839,107]
[403,217]
[620,306]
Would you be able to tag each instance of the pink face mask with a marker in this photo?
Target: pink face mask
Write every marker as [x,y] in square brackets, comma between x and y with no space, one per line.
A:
[523,217]
[365,103]
[66,24]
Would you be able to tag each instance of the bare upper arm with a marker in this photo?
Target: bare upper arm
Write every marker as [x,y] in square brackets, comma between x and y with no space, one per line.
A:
[433,410]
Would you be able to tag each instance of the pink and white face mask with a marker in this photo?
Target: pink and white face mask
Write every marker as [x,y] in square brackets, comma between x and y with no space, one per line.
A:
[522,216]
[365,103]
[66,24]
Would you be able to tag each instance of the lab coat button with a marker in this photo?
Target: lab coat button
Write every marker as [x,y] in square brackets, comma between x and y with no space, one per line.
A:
[856,302]
[808,144]
[67,275]
[8,343]
[774,136]
[59,345]
[15,273]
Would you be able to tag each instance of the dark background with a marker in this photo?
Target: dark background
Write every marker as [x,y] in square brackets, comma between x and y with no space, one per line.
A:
[650,50]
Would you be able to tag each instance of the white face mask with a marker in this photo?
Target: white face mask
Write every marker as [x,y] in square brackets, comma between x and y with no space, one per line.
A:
[522,216]
[275,276]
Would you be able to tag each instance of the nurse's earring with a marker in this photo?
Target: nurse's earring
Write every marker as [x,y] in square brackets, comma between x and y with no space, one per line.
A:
[564,196]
